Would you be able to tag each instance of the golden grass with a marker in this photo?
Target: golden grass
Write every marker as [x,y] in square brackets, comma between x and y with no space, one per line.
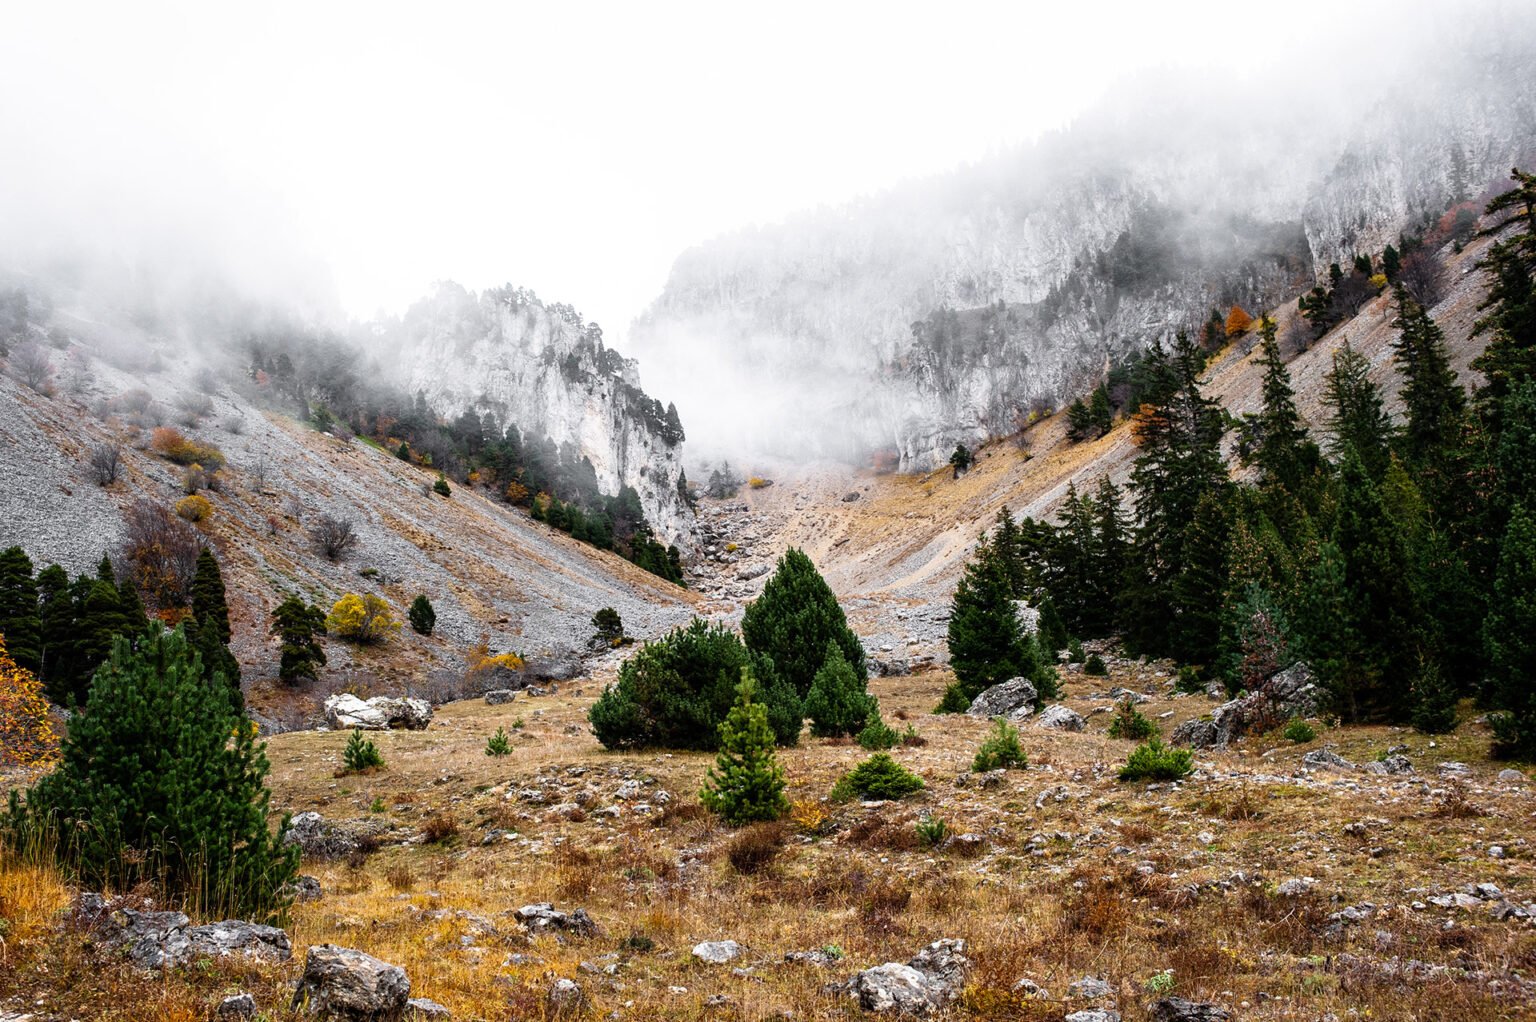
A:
[1059,891]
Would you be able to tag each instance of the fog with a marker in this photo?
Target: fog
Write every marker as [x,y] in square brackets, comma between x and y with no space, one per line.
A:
[337,159]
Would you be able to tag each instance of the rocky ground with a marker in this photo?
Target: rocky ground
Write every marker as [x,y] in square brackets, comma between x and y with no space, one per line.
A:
[1279,881]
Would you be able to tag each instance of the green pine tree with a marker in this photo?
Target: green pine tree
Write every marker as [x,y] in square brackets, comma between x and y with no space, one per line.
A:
[1433,399]
[1358,421]
[794,619]
[1284,453]
[208,631]
[298,626]
[161,783]
[746,783]
[1510,306]
[987,645]
[1510,636]
[839,702]
[20,622]
[422,616]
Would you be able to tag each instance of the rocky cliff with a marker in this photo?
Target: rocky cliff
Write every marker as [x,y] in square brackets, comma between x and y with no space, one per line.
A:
[507,355]
[951,309]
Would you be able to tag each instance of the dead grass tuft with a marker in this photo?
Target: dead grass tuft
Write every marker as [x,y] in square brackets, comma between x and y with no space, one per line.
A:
[755,848]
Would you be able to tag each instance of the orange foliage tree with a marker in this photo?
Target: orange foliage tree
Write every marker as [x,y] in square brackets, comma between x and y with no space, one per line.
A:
[27,737]
[1238,320]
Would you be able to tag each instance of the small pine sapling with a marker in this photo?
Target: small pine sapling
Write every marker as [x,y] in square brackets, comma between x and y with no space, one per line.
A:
[361,755]
[746,784]
[1001,749]
[497,745]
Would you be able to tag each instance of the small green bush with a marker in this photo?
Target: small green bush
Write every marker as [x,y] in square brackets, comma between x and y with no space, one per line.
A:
[1075,652]
[954,700]
[422,616]
[1130,722]
[932,831]
[360,755]
[1189,680]
[1299,731]
[747,782]
[839,702]
[441,487]
[1095,666]
[878,777]
[1001,749]
[1154,761]
[878,735]
[497,745]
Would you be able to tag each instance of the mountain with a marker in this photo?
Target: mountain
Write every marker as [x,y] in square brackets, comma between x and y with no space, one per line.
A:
[957,308]
[513,360]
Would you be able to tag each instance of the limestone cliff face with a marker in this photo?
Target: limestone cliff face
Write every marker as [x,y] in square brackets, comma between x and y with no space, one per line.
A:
[949,309]
[506,354]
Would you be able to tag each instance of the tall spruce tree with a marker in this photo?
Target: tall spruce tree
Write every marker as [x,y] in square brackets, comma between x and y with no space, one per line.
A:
[794,619]
[208,630]
[20,622]
[987,645]
[161,782]
[1180,462]
[1283,452]
[1510,636]
[1434,401]
[1357,421]
[1510,305]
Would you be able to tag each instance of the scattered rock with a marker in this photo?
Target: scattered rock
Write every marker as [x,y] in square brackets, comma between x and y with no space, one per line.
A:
[1093,1015]
[1014,699]
[425,1008]
[350,986]
[234,1006]
[167,940]
[1060,718]
[925,985]
[850,496]
[889,667]
[1325,759]
[1451,768]
[545,918]
[1029,988]
[318,838]
[1397,764]
[754,572]
[565,997]
[1089,988]
[344,712]
[1177,1009]
[1296,887]
[500,696]
[1292,692]
[303,888]
[1511,777]
[717,952]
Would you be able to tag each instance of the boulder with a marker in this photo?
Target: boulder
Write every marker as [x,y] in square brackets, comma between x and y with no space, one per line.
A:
[303,888]
[924,986]
[1014,699]
[167,940]
[1089,988]
[235,1006]
[1093,1015]
[350,986]
[1326,759]
[426,1008]
[317,838]
[1510,777]
[1177,1009]
[889,667]
[1292,692]
[1397,765]
[543,917]
[754,572]
[499,696]
[1060,718]
[717,952]
[345,712]
[565,998]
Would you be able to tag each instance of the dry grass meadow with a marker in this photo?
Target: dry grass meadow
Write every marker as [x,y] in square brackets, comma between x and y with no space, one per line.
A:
[1075,874]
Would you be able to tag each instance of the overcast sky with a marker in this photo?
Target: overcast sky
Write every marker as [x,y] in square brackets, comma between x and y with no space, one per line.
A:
[572,148]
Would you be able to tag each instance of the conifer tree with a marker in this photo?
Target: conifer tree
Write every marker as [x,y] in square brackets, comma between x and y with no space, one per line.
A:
[1283,453]
[1099,412]
[56,618]
[746,783]
[987,645]
[839,702]
[1510,635]
[1194,606]
[99,618]
[794,619]
[297,625]
[1510,357]
[1434,401]
[161,782]
[208,631]
[422,616]
[1358,421]
[20,623]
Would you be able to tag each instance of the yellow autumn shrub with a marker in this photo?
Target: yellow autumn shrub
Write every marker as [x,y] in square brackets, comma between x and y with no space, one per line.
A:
[27,738]
[361,619]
